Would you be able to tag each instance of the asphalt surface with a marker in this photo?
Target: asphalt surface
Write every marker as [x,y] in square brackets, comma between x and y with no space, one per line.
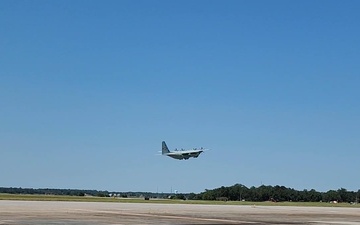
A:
[80,213]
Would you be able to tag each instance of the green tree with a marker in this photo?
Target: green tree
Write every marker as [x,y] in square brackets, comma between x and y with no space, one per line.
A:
[331,196]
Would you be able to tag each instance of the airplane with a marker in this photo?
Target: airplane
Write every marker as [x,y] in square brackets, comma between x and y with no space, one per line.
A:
[181,154]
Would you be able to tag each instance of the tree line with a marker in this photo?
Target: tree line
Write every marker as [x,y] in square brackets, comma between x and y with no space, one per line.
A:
[79,192]
[52,191]
[237,192]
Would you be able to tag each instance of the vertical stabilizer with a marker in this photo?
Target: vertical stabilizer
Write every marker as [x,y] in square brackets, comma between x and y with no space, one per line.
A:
[164,148]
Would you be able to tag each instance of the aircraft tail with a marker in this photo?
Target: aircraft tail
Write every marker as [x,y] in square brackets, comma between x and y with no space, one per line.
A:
[164,148]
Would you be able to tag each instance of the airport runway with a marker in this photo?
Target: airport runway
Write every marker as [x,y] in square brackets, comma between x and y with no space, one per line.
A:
[81,213]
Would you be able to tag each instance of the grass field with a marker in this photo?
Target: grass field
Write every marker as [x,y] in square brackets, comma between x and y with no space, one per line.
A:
[20,197]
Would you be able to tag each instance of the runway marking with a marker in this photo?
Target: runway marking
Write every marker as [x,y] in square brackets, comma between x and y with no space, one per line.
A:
[6,221]
[167,216]
[335,222]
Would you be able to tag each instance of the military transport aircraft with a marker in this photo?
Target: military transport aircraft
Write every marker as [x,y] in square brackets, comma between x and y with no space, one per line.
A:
[181,154]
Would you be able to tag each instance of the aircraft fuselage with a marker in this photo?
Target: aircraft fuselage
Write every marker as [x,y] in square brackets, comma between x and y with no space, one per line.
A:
[182,154]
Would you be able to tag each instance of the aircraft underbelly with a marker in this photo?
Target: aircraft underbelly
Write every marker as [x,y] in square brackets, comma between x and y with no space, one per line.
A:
[176,156]
[185,156]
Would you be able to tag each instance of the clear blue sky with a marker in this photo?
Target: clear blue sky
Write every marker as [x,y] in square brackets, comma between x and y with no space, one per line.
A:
[89,89]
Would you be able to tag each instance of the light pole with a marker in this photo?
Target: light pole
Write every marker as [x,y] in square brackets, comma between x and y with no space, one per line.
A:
[240,188]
